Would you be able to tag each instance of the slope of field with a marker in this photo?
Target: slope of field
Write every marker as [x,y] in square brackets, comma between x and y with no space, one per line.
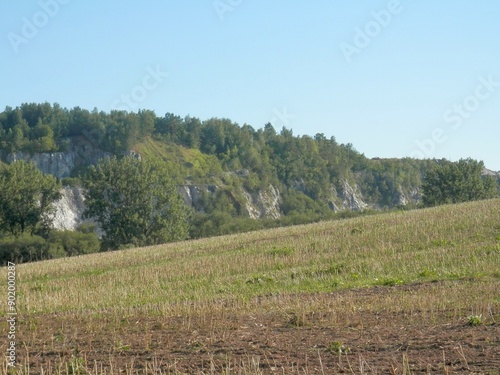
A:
[404,292]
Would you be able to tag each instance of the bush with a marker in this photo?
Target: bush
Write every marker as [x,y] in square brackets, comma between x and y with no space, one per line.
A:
[27,248]
[71,243]
[71,182]
[23,249]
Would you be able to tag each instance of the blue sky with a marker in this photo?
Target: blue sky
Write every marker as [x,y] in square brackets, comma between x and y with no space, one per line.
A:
[394,78]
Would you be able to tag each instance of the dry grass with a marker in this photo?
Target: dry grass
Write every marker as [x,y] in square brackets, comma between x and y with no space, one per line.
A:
[453,252]
[444,243]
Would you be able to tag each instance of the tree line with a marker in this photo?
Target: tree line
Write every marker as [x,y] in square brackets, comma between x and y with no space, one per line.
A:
[136,202]
[312,165]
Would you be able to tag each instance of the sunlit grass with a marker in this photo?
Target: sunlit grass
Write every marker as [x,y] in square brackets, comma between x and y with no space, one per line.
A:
[444,243]
[429,267]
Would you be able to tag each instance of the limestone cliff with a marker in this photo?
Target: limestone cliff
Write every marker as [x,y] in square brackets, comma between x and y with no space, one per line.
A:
[69,209]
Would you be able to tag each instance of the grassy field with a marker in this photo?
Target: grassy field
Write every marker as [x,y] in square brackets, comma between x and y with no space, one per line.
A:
[321,294]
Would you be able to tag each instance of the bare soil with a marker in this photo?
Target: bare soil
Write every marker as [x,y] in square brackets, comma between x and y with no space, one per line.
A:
[267,342]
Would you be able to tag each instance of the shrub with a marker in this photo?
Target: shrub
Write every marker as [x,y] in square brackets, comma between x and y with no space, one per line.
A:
[24,248]
[73,243]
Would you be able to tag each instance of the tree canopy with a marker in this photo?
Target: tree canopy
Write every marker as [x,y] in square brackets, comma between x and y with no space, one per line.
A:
[26,199]
[448,182]
[135,203]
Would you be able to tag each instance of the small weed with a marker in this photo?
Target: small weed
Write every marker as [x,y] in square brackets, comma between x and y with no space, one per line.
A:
[37,288]
[475,320]
[157,326]
[281,251]
[76,366]
[197,346]
[390,281]
[441,243]
[59,337]
[332,269]
[338,347]
[427,273]
[121,347]
[279,266]
[262,279]
[92,272]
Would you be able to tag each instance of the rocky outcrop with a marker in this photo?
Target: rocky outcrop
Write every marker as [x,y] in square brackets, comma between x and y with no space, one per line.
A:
[347,198]
[262,204]
[69,209]
[62,164]
[488,172]
[59,164]
[265,204]
[352,198]
[402,198]
[192,194]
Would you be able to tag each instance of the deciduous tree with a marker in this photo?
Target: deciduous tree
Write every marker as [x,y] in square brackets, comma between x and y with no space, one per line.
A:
[26,199]
[135,202]
[457,182]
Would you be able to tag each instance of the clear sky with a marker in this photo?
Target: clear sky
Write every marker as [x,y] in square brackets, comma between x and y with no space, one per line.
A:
[394,78]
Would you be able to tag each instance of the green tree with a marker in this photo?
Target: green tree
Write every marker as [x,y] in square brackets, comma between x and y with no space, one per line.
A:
[457,182]
[26,199]
[135,202]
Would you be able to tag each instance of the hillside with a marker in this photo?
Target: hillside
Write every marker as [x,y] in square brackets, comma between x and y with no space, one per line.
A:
[222,169]
[393,291]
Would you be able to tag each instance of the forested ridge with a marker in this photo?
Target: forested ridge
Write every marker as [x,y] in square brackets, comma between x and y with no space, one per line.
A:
[310,178]
[305,164]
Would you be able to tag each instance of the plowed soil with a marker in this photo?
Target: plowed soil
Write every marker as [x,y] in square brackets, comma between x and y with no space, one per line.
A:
[264,341]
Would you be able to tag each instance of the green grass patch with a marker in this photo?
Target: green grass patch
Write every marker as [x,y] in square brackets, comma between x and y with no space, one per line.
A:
[396,248]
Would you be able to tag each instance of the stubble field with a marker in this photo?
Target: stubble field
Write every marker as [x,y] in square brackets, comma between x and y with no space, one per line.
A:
[403,292]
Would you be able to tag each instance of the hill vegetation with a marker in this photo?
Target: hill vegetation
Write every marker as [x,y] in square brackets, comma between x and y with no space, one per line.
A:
[310,165]
[227,165]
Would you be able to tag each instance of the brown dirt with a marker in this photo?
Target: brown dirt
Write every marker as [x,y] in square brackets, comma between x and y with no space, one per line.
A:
[267,342]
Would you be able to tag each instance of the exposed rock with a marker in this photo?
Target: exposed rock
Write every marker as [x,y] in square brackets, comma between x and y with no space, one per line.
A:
[193,193]
[488,172]
[243,173]
[333,202]
[299,184]
[69,209]
[133,154]
[264,204]
[332,206]
[412,197]
[59,164]
[351,197]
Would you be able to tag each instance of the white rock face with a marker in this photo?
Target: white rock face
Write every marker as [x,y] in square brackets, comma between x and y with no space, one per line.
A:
[58,164]
[61,164]
[192,194]
[263,205]
[351,198]
[69,209]
[402,198]
[488,172]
